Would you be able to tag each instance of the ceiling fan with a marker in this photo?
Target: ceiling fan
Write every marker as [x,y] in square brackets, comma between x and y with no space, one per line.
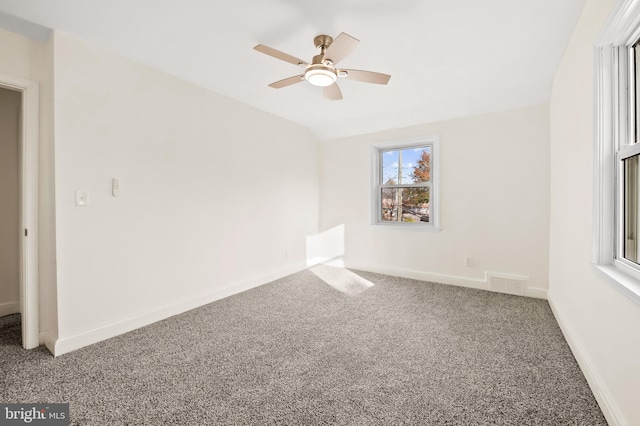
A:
[321,71]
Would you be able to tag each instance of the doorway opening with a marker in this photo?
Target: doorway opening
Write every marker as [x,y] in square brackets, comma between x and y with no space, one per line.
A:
[10,107]
[19,195]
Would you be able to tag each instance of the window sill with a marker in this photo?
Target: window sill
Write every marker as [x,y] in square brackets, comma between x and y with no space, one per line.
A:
[421,228]
[621,281]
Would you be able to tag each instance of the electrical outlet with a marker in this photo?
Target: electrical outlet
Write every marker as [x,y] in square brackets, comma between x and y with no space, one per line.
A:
[468,262]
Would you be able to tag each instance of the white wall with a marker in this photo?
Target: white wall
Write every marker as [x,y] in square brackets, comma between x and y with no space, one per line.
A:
[9,212]
[601,324]
[215,196]
[494,201]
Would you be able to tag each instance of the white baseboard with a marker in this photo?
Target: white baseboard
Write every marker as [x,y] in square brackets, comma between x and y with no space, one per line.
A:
[67,344]
[71,343]
[477,283]
[9,308]
[317,261]
[537,293]
[603,396]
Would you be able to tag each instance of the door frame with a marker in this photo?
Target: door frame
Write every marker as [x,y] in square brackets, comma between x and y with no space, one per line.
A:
[28,195]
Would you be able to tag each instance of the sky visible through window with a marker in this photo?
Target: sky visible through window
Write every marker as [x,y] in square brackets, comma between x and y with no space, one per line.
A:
[410,159]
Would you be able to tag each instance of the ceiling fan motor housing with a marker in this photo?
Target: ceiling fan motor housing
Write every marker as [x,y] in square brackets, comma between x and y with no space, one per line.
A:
[320,72]
[322,42]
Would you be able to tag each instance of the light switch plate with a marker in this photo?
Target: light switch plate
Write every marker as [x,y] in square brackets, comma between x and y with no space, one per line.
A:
[82,198]
[115,187]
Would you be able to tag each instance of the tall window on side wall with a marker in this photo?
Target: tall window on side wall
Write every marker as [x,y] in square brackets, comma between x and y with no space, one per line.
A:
[405,184]
[628,163]
[616,225]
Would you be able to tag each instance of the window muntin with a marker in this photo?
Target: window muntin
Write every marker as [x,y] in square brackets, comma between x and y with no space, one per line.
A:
[404,187]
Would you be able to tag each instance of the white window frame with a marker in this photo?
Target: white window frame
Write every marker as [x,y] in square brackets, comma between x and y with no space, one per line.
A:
[434,192]
[614,129]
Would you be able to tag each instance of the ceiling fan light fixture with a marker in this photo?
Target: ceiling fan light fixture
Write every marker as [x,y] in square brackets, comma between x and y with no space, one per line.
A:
[320,75]
[321,72]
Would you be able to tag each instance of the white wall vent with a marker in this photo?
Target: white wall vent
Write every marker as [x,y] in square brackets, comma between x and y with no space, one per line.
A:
[508,284]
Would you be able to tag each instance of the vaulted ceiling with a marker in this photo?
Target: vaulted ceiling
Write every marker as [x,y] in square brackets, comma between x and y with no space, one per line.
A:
[447,58]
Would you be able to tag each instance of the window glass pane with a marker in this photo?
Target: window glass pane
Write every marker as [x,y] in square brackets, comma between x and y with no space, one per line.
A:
[636,77]
[416,165]
[390,199]
[390,162]
[415,205]
[631,210]
[405,205]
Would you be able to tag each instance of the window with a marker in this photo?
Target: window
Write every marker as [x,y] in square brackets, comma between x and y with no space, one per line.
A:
[617,153]
[628,161]
[405,191]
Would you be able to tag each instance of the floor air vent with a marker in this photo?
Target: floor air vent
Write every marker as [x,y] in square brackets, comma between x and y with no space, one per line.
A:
[506,284]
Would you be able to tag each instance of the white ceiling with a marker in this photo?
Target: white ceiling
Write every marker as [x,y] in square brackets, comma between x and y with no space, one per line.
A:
[447,58]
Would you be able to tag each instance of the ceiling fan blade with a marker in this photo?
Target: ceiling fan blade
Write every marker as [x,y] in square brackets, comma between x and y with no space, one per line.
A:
[341,47]
[367,76]
[332,92]
[279,55]
[287,81]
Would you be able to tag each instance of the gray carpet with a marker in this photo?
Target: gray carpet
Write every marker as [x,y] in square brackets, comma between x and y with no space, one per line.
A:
[366,350]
